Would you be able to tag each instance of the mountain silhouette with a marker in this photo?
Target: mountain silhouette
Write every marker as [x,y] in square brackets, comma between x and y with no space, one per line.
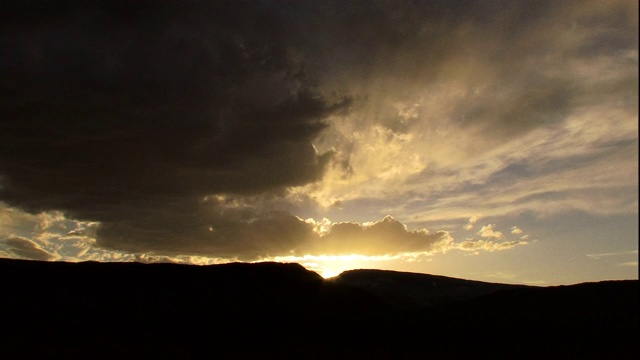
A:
[275,310]
[410,290]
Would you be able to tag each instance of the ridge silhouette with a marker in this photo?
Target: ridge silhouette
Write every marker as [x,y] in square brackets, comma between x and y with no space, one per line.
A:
[274,310]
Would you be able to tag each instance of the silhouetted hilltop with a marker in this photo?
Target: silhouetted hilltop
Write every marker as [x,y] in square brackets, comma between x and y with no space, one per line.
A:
[175,310]
[273,310]
[410,290]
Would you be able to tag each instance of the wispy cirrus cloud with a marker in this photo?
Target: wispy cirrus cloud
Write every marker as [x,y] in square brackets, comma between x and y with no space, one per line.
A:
[630,264]
[619,253]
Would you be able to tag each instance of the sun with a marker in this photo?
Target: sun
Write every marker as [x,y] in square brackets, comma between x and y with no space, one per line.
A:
[328,273]
[329,266]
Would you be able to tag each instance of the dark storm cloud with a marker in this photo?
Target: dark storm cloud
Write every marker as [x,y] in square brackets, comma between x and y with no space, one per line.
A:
[207,227]
[129,113]
[148,99]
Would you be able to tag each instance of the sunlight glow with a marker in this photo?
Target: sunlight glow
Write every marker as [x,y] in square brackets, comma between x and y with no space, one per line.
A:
[329,273]
[329,266]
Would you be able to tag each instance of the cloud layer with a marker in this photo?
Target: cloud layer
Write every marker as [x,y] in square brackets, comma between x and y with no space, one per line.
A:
[240,234]
[213,128]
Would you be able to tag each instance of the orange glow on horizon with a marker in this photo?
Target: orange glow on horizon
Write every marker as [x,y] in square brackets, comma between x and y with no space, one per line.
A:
[329,266]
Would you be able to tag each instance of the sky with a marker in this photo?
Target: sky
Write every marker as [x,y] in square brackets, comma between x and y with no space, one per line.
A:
[486,140]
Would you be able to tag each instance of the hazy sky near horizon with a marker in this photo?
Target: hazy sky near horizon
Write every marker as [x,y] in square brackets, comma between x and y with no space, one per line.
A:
[489,140]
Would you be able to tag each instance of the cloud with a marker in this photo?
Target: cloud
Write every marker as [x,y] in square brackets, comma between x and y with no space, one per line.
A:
[247,234]
[542,119]
[503,275]
[385,237]
[128,115]
[26,249]
[619,253]
[535,282]
[516,230]
[487,231]
[472,220]
[239,232]
[630,264]
[487,245]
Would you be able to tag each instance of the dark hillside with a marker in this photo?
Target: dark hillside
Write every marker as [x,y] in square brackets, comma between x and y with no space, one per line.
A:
[581,321]
[174,310]
[272,310]
[409,290]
